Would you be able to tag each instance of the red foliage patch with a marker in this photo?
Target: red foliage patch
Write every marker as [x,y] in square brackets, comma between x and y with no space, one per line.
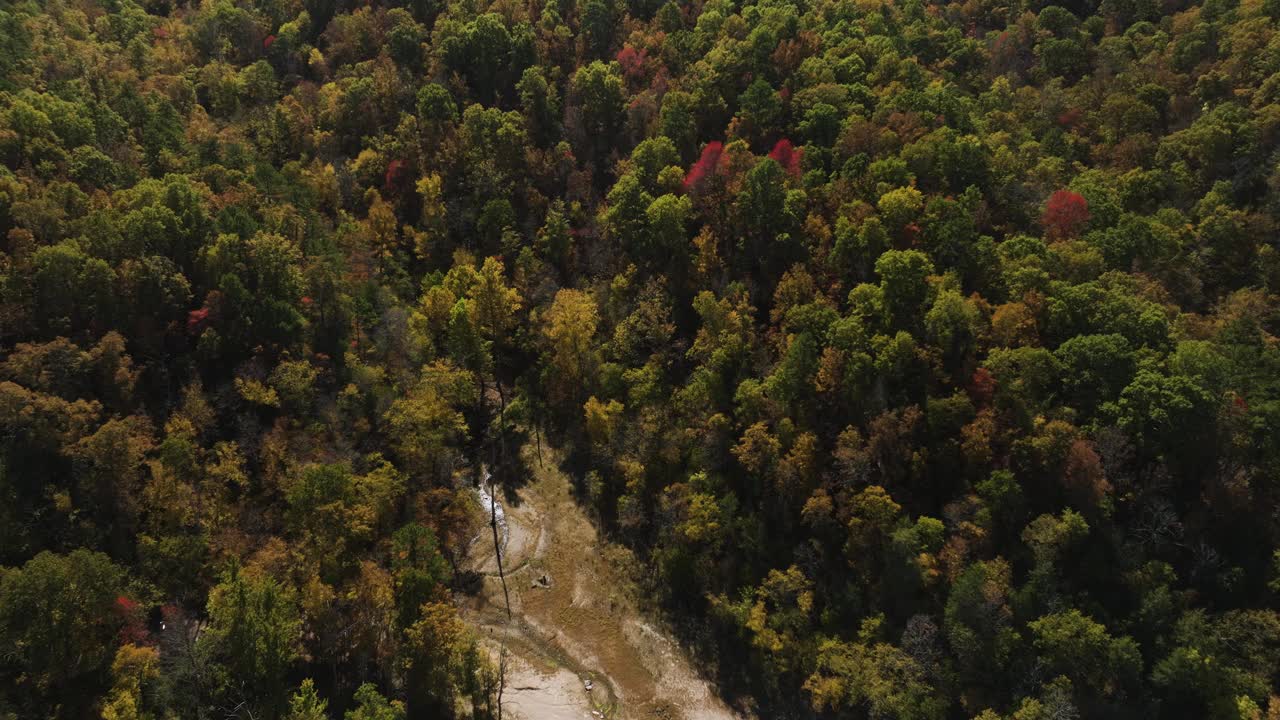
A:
[982,386]
[1065,214]
[266,41]
[196,320]
[911,233]
[632,62]
[706,165]
[395,171]
[133,628]
[788,156]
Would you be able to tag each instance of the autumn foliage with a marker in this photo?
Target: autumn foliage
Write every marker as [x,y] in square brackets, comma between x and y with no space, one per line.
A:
[632,62]
[923,357]
[1065,214]
[788,156]
[706,166]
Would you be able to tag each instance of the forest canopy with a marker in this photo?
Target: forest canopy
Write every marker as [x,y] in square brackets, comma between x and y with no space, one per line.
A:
[925,352]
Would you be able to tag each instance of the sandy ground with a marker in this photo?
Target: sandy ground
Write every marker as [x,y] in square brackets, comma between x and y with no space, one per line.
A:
[583,625]
[534,695]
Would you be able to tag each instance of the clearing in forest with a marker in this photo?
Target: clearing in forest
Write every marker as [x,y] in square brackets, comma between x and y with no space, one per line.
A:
[578,646]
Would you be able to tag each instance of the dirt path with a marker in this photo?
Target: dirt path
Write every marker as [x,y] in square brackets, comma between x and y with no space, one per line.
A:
[576,619]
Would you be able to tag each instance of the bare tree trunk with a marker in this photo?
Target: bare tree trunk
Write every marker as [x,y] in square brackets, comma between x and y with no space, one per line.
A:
[506,596]
[497,545]
[502,419]
[537,436]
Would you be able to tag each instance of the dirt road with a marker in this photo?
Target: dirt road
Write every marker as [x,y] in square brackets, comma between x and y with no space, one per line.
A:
[577,646]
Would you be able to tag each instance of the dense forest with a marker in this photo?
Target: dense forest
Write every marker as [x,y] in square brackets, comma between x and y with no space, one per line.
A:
[924,352]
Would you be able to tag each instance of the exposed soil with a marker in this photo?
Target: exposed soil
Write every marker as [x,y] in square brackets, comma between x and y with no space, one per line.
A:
[575,619]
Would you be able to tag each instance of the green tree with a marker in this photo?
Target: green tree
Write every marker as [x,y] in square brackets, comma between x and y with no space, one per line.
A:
[904,281]
[1074,645]
[255,635]
[371,705]
[59,624]
[599,91]
[306,704]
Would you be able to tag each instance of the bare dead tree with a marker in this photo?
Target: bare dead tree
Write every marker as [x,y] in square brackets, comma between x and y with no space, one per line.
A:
[497,544]
[241,711]
[506,596]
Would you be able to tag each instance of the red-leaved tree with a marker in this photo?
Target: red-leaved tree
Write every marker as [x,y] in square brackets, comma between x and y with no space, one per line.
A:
[706,165]
[1064,215]
[632,62]
[788,156]
[982,387]
[395,175]
[133,621]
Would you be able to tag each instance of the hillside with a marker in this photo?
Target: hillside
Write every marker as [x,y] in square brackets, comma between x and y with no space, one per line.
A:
[884,359]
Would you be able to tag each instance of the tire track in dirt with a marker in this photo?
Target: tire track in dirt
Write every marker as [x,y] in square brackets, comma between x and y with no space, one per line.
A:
[576,618]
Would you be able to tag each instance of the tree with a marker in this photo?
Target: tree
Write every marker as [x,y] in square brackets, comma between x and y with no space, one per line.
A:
[260,285]
[872,514]
[436,107]
[899,207]
[668,218]
[254,634]
[1215,661]
[306,704]
[880,679]
[109,473]
[1065,214]
[1162,412]
[601,94]
[1076,646]
[786,155]
[134,673]
[540,103]
[59,624]
[371,705]
[494,304]
[702,171]
[652,156]
[760,108]
[425,423]
[71,290]
[569,329]
[484,51]
[979,622]
[769,215]
[440,663]
[1097,368]
[598,25]
[903,280]
[624,217]
[420,571]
